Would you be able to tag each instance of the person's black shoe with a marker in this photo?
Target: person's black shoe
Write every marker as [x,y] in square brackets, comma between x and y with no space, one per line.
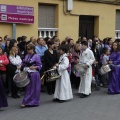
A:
[9,94]
[18,96]
[97,88]
[105,86]
[83,95]
[61,101]
[14,96]
[55,100]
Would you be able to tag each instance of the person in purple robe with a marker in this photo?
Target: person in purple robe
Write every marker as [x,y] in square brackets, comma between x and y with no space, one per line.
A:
[32,64]
[3,99]
[114,76]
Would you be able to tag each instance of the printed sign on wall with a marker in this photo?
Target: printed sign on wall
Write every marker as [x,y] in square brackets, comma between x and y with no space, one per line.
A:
[16,14]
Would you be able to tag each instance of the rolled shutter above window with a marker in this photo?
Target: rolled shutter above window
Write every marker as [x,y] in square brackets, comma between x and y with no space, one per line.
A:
[46,16]
[117,20]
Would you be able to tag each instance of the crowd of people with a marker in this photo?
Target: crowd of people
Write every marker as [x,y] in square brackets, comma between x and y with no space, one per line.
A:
[36,56]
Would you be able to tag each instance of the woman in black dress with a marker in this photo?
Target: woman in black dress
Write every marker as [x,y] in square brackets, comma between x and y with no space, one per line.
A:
[95,65]
[51,58]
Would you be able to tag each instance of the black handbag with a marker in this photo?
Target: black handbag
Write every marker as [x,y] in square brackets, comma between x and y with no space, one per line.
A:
[12,68]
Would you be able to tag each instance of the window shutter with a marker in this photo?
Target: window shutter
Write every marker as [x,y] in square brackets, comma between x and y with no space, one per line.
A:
[46,16]
[118,20]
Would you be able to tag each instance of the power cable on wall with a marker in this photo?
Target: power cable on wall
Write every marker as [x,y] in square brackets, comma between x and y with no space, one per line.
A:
[68,12]
[117,2]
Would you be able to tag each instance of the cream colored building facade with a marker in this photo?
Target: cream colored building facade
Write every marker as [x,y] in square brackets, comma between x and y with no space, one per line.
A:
[66,23]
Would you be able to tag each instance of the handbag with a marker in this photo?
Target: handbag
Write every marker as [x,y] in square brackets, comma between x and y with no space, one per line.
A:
[12,68]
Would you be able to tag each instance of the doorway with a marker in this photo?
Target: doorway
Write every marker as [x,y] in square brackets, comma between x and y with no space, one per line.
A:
[86,26]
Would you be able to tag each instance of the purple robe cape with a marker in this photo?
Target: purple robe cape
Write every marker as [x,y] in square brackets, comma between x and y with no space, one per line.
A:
[114,75]
[32,91]
[3,99]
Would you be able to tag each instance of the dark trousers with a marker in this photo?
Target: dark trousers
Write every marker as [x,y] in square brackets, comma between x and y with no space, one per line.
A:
[43,87]
[104,79]
[74,80]
[11,86]
[51,87]
[3,78]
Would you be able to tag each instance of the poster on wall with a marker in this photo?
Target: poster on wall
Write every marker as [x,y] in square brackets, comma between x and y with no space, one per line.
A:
[16,14]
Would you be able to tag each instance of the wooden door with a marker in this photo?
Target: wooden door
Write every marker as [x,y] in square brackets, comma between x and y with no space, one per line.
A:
[86,26]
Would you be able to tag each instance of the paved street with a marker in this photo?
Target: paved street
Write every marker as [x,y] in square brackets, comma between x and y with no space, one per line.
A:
[99,106]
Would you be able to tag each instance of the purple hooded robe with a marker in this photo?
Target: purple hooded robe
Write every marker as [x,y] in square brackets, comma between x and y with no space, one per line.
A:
[114,75]
[32,92]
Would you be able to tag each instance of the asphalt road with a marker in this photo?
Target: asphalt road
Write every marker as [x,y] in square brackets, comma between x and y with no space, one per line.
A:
[98,106]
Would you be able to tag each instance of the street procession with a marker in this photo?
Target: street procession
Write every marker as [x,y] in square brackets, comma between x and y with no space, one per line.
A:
[59,59]
[30,66]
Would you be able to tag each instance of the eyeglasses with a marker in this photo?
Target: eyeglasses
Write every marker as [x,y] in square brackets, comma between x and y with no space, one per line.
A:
[28,49]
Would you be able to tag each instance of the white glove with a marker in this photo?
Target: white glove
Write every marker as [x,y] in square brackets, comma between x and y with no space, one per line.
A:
[0,61]
[54,67]
[26,69]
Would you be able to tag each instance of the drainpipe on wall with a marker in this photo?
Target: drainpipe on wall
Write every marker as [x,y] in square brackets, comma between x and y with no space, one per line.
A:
[64,8]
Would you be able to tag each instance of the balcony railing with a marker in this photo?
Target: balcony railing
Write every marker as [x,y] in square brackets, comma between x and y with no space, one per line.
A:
[117,34]
[47,32]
